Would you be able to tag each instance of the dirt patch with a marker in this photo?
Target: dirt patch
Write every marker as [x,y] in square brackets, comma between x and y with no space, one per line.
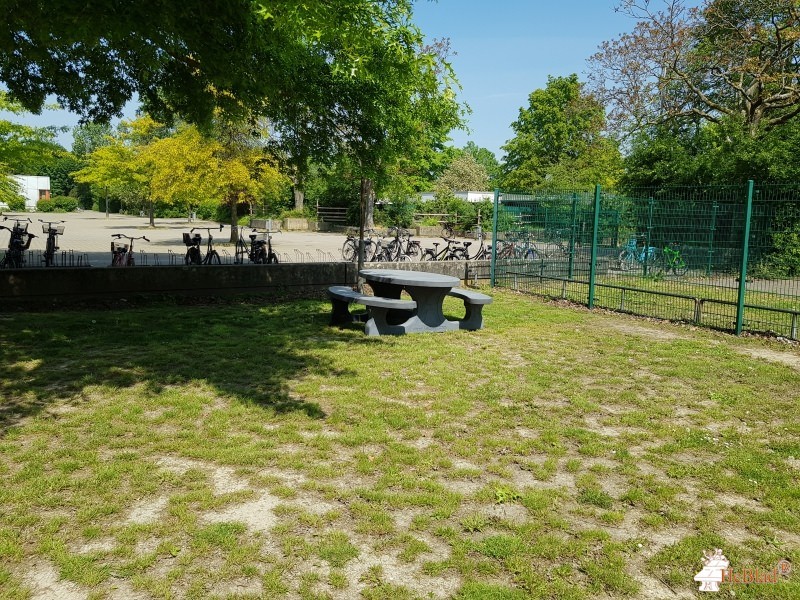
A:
[43,580]
[786,358]
[257,515]
[647,332]
[147,511]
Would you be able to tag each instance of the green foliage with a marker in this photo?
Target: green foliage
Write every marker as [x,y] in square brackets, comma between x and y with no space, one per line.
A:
[559,140]
[399,213]
[466,212]
[57,204]
[15,203]
[784,259]
[464,174]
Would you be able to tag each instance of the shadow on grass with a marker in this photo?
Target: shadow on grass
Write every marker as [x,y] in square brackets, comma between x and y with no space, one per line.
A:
[244,350]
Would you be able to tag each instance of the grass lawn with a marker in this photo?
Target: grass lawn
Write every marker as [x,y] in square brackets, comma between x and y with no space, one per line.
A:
[246,451]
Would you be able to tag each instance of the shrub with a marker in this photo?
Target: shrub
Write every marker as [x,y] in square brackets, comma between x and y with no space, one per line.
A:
[16,203]
[57,204]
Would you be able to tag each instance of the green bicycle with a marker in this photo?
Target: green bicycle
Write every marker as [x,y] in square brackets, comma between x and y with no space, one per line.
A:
[671,260]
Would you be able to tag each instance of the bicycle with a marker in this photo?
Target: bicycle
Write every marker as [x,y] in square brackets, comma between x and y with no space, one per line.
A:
[484,252]
[271,258]
[121,253]
[448,230]
[14,257]
[409,247]
[449,252]
[350,247]
[256,253]
[633,253]
[671,259]
[52,240]
[193,254]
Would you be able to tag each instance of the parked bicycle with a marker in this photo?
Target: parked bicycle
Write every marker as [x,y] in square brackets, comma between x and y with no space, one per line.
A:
[633,253]
[671,260]
[484,252]
[193,254]
[122,253]
[451,251]
[53,229]
[18,244]
[350,246]
[256,252]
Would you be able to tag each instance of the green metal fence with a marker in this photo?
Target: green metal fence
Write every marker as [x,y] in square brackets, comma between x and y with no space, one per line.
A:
[723,257]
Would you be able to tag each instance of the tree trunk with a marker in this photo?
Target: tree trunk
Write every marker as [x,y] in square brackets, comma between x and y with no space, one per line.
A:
[234,220]
[299,197]
[369,203]
[152,214]
[364,201]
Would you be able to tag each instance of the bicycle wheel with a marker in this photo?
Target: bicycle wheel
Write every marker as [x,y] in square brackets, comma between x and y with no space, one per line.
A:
[350,250]
[428,255]
[627,260]
[49,253]
[531,254]
[260,257]
[272,259]
[447,231]
[414,251]
[679,266]
[240,253]
[214,258]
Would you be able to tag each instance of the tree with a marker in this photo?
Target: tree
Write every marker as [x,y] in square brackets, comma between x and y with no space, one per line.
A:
[729,60]
[485,157]
[463,174]
[88,137]
[560,139]
[23,147]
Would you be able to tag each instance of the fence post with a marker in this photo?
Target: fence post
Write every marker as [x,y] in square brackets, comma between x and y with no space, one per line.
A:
[593,263]
[745,256]
[712,229]
[572,235]
[649,235]
[492,265]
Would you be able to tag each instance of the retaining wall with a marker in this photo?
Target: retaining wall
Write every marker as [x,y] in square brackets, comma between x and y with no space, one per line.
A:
[62,285]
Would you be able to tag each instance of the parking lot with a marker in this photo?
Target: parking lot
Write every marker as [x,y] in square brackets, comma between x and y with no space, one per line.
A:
[88,236]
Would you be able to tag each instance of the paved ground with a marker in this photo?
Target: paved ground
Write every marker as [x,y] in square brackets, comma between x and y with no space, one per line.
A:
[88,235]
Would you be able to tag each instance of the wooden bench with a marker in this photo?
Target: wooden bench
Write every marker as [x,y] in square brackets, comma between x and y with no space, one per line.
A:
[379,309]
[473,304]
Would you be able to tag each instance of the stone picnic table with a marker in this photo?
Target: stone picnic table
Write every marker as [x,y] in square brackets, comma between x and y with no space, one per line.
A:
[390,315]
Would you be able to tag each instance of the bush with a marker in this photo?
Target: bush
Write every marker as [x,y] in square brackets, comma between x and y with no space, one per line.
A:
[57,204]
[16,203]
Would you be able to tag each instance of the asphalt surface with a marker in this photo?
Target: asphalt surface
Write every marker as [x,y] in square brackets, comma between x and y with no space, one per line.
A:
[88,235]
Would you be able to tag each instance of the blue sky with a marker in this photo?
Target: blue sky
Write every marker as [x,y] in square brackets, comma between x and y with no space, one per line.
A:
[505,50]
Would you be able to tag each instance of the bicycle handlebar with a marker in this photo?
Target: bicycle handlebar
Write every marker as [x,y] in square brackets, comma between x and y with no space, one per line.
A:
[49,222]
[208,229]
[127,237]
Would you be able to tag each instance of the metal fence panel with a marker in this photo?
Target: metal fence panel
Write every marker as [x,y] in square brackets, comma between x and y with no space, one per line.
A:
[672,253]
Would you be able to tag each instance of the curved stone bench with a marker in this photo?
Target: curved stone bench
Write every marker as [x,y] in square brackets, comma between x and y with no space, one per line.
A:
[342,297]
[473,304]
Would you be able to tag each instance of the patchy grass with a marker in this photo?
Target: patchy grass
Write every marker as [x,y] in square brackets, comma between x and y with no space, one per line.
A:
[253,451]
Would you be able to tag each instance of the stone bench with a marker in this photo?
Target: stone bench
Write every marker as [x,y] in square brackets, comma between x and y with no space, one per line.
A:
[473,304]
[379,309]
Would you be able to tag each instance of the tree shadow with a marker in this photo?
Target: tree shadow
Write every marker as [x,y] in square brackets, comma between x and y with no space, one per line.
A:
[244,350]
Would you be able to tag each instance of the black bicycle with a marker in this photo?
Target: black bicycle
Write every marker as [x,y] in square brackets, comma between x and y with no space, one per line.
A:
[53,229]
[260,250]
[484,252]
[193,254]
[18,244]
[451,251]
[122,253]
